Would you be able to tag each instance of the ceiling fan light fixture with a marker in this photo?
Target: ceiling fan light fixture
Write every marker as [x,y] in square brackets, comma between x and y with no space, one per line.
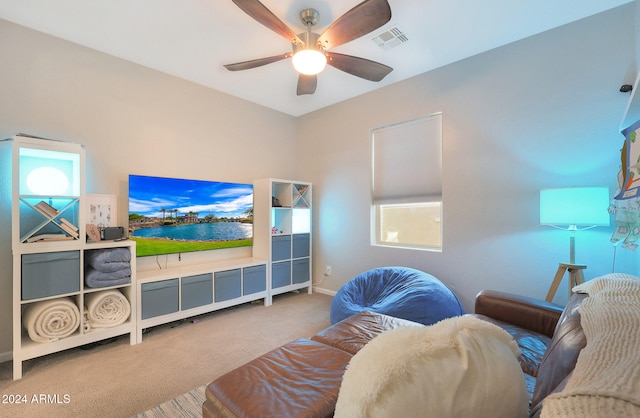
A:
[309,61]
[310,50]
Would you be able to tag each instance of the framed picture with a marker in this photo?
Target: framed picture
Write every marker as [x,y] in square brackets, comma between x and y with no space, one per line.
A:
[102,210]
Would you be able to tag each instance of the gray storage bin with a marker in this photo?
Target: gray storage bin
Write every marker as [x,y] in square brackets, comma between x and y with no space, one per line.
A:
[301,270]
[159,298]
[254,279]
[50,274]
[280,274]
[280,247]
[227,285]
[301,245]
[196,291]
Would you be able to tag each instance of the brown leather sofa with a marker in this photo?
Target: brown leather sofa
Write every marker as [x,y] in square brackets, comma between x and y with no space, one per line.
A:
[302,378]
[549,336]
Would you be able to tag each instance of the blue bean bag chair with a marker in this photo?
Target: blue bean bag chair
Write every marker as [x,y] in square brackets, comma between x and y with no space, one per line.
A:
[397,291]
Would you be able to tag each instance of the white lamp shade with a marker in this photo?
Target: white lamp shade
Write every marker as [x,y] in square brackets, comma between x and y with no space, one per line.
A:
[309,61]
[575,206]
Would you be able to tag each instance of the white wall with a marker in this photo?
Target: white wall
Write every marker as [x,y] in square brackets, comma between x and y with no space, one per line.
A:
[543,112]
[131,120]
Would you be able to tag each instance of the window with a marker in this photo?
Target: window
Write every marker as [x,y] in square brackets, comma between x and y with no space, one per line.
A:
[406,160]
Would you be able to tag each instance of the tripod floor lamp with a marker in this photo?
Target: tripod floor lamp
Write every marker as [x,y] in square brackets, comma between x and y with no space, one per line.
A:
[573,209]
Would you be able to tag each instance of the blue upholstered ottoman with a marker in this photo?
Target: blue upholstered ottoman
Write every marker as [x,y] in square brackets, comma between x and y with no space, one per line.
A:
[397,291]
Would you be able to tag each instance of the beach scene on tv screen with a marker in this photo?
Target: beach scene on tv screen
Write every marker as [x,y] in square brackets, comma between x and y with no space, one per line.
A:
[169,215]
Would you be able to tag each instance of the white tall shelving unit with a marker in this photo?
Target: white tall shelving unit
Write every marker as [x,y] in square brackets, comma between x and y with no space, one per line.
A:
[282,225]
[49,245]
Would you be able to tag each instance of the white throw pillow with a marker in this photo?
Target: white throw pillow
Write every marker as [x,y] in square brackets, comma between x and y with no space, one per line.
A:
[460,367]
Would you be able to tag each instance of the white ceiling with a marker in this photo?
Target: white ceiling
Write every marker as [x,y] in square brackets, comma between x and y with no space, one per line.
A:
[192,39]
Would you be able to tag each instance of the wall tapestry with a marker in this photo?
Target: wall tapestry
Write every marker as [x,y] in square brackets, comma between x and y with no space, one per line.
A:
[625,206]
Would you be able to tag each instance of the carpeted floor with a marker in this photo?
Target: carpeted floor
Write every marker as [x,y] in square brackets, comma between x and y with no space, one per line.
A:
[119,380]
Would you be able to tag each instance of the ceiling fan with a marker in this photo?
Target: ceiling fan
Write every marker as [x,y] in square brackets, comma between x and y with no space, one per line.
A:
[362,19]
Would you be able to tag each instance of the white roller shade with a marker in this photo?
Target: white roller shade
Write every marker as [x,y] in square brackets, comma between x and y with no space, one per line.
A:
[407,161]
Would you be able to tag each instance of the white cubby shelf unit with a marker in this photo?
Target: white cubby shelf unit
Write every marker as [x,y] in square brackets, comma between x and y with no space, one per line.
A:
[49,247]
[282,233]
[24,348]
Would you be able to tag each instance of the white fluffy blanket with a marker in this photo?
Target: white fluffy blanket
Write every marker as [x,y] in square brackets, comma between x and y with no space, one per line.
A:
[108,308]
[606,379]
[461,367]
[51,320]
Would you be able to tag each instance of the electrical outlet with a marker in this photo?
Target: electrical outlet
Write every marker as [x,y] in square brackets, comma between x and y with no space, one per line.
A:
[327,271]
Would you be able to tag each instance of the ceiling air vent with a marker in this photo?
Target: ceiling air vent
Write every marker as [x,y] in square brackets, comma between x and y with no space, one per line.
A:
[390,38]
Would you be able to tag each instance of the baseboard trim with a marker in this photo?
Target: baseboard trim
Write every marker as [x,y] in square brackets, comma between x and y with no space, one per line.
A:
[6,356]
[324,291]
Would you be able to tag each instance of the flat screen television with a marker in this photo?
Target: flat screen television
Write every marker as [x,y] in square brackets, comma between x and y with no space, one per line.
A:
[170,215]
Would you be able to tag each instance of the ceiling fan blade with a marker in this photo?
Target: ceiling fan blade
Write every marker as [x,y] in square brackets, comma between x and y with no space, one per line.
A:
[307,84]
[360,67]
[362,19]
[246,65]
[259,12]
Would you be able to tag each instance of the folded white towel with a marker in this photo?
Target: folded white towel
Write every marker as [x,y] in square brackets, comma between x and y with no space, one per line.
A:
[51,320]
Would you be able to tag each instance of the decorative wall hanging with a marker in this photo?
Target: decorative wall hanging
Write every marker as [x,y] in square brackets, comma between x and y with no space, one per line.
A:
[625,206]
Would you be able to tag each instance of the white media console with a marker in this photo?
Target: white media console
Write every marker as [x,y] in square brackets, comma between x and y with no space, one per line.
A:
[180,292]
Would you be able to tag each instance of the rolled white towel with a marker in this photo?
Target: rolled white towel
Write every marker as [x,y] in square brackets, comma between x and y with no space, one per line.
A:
[51,320]
[105,309]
